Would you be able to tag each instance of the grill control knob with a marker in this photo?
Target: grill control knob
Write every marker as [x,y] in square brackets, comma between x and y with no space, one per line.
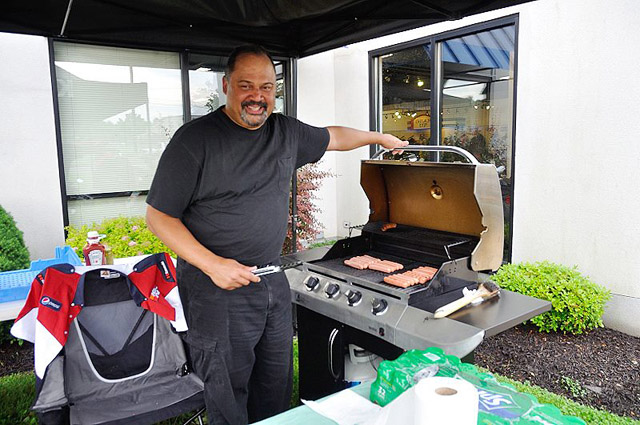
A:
[311,283]
[332,290]
[353,297]
[379,306]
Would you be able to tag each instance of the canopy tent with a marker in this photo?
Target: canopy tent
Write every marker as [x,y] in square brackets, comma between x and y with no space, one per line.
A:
[287,28]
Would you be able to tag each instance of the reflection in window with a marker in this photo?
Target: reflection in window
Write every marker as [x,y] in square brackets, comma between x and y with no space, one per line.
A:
[475,99]
[205,83]
[477,94]
[118,110]
[406,94]
[477,102]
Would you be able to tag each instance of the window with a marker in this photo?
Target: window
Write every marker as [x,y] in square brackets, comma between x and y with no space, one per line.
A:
[118,108]
[471,74]
[406,94]
[205,83]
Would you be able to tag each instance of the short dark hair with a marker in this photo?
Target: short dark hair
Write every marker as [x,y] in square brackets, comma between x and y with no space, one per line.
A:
[247,49]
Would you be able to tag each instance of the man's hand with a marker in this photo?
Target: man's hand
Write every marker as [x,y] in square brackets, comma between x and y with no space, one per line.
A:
[389,141]
[346,139]
[229,274]
[224,272]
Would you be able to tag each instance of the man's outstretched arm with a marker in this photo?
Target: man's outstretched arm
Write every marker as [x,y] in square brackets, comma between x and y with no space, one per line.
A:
[346,139]
[224,272]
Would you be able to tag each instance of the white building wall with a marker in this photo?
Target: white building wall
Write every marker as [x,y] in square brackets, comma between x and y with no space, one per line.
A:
[577,156]
[576,172]
[316,86]
[30,183]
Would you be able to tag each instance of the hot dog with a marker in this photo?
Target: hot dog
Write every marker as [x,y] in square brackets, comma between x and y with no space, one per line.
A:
[396,280]
[387,226]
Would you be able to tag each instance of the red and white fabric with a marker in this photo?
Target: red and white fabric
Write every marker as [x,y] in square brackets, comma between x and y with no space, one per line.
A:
[54,301]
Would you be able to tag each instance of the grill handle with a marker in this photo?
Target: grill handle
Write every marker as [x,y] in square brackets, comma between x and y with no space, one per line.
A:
[332,338]
[433,148]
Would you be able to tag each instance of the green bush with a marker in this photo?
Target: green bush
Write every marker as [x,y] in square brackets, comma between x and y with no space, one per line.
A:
[577,302]
[126,236]
[17,392]
[13,252]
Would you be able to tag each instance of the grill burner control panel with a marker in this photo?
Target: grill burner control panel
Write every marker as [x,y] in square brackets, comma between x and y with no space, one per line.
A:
[380,314]
[361,308]
[352,296]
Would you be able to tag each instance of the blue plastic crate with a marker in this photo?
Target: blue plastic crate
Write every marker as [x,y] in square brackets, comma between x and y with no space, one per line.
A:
[15,285]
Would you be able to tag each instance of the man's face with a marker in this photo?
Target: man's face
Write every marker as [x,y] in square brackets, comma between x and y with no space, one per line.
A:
[250,90]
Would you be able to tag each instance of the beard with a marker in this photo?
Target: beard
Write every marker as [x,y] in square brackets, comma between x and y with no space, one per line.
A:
[250,119]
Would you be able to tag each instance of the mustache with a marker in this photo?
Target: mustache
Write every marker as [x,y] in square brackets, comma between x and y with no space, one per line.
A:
[253,102]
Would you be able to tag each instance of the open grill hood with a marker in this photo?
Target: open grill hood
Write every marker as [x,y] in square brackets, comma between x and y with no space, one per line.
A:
[463,199]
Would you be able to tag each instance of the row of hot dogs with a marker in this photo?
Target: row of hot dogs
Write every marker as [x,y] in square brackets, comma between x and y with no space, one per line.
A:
[411,277]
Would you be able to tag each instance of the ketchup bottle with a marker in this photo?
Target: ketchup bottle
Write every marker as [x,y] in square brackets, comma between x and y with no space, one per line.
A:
[94,251]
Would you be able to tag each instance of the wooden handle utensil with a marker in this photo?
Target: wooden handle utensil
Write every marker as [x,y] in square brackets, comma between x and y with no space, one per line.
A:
[485,291]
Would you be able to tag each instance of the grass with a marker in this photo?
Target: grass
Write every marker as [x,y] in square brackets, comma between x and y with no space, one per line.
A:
[326,242]
[568,407]
[18,390]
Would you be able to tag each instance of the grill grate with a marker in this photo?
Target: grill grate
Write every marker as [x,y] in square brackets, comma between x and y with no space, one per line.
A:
[373,276]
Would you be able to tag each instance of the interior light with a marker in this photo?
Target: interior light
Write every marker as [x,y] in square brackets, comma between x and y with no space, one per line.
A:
[420,83]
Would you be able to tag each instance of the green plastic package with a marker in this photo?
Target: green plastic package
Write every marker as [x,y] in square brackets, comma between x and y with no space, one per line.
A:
[498,403]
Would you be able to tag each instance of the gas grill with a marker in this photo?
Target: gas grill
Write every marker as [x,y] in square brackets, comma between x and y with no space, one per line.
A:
[448,216]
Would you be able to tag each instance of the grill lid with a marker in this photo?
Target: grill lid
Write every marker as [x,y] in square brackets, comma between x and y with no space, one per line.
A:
[452,197]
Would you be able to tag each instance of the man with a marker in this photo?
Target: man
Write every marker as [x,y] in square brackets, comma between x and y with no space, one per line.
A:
[219,199]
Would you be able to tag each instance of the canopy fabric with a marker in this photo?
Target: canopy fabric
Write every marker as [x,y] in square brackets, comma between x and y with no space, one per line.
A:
[287,28]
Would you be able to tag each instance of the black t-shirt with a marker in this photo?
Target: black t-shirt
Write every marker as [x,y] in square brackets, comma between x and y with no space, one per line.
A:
[230,185]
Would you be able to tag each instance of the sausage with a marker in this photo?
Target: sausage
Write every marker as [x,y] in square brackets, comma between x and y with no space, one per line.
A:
[422,273]
[394,265]
[427,270]
[396,280]
[421,278]
[412,279]
[354,264]
[387,226]
[361,262]
[368,257]
[381,267]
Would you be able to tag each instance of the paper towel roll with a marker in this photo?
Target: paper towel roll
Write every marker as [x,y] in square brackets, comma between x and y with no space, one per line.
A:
[443,401]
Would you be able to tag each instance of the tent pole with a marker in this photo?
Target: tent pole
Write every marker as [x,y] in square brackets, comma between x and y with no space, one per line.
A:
[66,18]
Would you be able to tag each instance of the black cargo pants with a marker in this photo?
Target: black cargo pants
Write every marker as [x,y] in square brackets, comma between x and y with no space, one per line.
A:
[240,343]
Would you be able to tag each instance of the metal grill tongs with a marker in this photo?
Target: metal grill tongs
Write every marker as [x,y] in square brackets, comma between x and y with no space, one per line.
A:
[269,268]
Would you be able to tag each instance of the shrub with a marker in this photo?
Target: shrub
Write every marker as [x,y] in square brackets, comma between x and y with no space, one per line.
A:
[577,302]
[13,252]
[308,180]
[126,236]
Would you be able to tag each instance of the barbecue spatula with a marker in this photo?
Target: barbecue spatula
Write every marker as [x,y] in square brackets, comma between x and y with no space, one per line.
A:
[485,291]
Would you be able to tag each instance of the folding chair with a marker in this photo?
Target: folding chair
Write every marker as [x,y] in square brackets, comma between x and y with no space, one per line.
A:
[105,347]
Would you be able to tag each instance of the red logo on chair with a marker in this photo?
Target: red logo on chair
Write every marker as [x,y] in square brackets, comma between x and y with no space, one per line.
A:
[155,294]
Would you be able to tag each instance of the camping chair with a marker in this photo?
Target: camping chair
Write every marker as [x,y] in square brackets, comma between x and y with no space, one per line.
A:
[121,363]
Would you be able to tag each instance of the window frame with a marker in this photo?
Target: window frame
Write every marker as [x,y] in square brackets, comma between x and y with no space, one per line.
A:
[375,92]
[289,73]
